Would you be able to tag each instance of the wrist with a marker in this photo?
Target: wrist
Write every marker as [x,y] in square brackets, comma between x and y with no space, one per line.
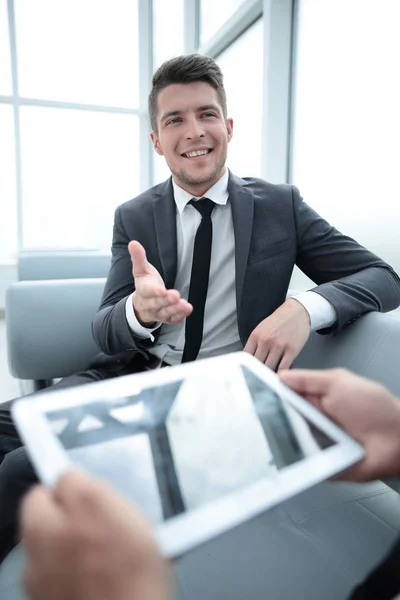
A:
[299,308]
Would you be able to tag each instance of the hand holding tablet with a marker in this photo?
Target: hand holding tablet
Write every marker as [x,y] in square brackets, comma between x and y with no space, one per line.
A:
[200,447]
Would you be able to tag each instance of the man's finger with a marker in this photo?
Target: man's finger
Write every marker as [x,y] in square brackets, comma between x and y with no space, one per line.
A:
[305,381]
[156,304]
[149,290]
[359,472]
[80,493]
[286,361]
[251,346]
[74,490]
[262,352]
[39,516]
[139,260]
[315,399]
[274,357]
[168,313]
[178,318]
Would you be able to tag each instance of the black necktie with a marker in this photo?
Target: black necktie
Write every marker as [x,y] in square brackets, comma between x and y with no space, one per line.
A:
[199,279]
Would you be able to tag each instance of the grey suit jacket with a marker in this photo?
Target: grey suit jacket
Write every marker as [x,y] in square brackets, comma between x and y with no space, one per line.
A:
[274,230]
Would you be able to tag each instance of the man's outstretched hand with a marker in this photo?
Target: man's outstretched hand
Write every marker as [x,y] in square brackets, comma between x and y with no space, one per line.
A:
[152,302]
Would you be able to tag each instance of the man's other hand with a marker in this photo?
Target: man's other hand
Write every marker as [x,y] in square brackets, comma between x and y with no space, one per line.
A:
[152,302]
[85,542]
[365,409]
[279,338]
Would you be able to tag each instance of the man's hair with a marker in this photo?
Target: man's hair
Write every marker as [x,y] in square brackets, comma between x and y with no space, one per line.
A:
[186,69]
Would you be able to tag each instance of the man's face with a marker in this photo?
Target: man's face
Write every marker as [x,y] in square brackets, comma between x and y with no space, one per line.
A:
[192,135]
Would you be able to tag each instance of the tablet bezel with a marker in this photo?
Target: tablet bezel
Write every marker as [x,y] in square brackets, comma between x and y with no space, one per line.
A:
[185,531]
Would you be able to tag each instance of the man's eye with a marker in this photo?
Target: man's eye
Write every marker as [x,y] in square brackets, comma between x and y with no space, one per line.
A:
[208,114]
[173,121]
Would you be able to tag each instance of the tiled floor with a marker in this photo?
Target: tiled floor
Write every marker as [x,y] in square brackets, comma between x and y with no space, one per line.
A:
[9,387]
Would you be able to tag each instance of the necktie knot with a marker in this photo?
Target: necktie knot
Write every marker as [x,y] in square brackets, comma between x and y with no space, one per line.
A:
[203,205]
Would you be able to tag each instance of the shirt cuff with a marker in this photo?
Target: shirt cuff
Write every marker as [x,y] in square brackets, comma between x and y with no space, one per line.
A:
[322,313]
[137,329]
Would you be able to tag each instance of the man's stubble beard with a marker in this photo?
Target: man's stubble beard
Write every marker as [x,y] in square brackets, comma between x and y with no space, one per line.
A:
[186,179]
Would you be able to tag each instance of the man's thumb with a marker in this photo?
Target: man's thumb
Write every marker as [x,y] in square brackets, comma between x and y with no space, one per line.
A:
[139,260]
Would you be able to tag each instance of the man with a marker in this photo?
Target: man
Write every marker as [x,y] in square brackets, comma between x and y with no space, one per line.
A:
[83,542]
[201,263]
[259,232]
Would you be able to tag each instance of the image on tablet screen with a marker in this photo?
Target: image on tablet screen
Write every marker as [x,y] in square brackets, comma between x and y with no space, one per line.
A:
[179,446]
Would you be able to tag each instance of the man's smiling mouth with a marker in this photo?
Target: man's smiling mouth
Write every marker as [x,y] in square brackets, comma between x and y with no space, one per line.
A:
[197,153]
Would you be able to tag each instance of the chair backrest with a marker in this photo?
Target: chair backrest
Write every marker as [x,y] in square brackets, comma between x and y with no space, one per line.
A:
[48,326]
[34,266]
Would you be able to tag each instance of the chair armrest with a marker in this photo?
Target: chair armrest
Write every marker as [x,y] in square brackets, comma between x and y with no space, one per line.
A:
[368,347]
[48,326]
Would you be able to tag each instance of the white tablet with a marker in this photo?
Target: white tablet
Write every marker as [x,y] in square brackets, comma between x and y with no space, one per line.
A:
[199,447]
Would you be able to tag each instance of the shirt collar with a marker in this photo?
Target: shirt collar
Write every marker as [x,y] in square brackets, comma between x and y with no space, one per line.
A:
[218,193]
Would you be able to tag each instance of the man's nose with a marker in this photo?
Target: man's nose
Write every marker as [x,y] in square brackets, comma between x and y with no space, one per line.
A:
[194,129]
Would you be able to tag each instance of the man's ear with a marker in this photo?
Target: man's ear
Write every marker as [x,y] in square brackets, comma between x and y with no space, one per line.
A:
[156,143]
[229,128]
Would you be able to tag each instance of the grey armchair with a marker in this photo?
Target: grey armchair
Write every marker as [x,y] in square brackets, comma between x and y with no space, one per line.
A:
[48,326]
[67,264]
[315,546]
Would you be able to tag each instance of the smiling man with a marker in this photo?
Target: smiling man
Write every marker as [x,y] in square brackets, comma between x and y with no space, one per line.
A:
[226,290]
[201,263]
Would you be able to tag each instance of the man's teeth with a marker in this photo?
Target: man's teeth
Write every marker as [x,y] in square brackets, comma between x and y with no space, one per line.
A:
[196,153]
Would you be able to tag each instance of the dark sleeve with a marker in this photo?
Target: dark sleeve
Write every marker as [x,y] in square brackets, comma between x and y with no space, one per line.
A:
[110,328]
[384,582]
[353,279]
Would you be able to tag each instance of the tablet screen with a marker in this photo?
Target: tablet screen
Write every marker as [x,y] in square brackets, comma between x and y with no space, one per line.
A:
[181,445]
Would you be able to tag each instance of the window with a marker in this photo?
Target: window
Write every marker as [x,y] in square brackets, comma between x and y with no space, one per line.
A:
[242,66]
[161,170]
[8,210]
[168,30]
[77,166]
[213,15]
[168,41]
[347,118]
[5,63]
[74,51]
[78,113]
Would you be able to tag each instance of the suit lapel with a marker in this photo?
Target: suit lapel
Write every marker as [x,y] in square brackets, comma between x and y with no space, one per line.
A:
[242,202]
[164,212]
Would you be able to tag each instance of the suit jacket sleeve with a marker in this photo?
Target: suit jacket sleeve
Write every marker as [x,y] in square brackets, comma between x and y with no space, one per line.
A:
[350,277]
[110,328]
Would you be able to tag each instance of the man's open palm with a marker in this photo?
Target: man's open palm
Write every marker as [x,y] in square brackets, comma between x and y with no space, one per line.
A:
[152,302]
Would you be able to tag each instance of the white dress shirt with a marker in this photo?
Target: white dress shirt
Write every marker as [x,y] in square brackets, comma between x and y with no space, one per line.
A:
[220,333]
